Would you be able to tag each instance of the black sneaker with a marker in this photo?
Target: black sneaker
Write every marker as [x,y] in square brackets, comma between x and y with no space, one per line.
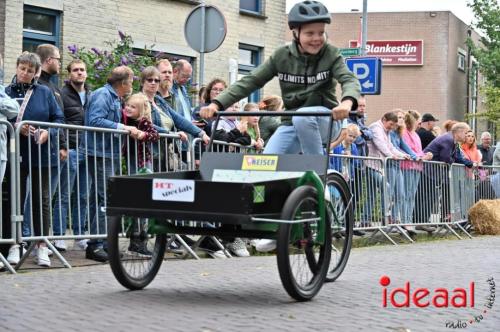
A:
[358,232]
[188,240]
[139,248]
[96,254]
[207,244]
[175,248]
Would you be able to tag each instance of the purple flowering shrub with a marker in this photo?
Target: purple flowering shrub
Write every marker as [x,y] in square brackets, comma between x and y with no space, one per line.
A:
[101,62]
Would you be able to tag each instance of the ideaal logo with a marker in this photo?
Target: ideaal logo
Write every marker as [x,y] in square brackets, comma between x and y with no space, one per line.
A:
[260,163]
[405,297]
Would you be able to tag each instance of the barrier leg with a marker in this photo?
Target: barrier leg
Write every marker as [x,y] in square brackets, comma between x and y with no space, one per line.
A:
[379,229]
[453,231]
[404,233]
[221,247]
[57,253]
[186,246]
[26,255]
[463,230]
[7,265]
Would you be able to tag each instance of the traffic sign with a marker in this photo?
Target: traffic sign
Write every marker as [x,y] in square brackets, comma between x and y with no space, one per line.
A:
[368,70]
[347,52]
[214,30]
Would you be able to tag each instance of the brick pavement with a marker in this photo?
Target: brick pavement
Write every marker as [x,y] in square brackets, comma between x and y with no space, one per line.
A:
[246,294]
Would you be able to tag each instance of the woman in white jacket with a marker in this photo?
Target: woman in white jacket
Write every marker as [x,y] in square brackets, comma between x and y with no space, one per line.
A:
[9,108]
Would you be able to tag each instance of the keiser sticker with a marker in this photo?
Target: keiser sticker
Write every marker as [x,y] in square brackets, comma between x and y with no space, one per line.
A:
[259,163]
[173,190]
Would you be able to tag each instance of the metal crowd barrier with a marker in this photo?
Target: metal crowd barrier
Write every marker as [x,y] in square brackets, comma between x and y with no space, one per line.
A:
[7,141]
[64,199]
[393,194]
[470,185]
[56,193]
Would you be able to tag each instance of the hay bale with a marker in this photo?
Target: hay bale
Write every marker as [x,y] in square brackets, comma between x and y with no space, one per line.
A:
[485,217]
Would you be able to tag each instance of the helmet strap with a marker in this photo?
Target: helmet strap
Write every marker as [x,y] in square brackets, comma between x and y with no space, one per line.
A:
[296,36]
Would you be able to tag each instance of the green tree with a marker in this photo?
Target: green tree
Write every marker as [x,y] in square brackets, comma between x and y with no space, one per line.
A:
[487,53]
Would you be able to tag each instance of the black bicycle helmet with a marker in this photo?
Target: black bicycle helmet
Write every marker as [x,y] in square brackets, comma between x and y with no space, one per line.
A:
[308,12]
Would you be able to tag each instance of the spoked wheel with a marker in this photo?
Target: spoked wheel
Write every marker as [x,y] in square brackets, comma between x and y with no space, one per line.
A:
[135,255]
[341,216]
[302,258]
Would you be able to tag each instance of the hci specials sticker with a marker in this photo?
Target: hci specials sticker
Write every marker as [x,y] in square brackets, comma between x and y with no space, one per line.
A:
[173,190]
[259,163]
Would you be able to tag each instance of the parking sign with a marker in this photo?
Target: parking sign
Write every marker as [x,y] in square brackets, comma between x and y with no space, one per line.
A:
[368,70]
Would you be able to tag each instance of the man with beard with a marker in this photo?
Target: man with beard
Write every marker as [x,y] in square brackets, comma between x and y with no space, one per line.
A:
[51,63]
[166,81]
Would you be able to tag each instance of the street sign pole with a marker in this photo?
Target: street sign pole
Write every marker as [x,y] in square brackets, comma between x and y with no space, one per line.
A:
[364,35]
[209,37]
[202,48]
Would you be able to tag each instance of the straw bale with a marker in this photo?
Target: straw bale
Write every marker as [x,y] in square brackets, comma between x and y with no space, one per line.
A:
[485,217]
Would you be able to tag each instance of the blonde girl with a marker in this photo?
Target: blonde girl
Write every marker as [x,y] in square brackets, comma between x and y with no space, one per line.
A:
[253,126]
[137,113]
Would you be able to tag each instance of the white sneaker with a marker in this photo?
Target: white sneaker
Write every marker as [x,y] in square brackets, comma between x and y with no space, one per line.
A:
[42,257]
[217,254]
[2,265]
[80,244]
[14,256]
[60,245]
[34,252]
[265,245]
[238,248]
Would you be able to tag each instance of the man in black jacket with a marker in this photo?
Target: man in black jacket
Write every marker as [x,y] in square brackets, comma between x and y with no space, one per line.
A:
[51,63]
[75,96]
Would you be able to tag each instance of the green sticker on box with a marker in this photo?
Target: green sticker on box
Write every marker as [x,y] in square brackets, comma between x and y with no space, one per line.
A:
[258,194]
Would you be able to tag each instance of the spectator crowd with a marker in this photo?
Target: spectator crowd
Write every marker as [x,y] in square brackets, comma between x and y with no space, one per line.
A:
[70,167]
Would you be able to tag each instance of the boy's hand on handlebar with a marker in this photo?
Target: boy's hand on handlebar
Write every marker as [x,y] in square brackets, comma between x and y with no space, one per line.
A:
[209,111]
[342,110]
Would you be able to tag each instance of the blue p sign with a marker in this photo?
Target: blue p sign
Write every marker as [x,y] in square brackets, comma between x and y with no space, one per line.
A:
[368,70]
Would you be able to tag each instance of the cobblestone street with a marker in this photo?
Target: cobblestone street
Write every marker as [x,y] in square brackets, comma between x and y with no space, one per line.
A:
[246,294]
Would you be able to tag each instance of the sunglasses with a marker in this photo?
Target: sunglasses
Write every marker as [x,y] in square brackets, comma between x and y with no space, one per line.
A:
[152,80]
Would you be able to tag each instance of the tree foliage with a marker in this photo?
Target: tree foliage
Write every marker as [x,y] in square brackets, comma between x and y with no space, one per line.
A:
[100,63]
[487,53]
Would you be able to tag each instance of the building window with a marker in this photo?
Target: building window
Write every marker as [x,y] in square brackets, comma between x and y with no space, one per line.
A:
[461,60]
[249,59]
[251,6]
[40,26]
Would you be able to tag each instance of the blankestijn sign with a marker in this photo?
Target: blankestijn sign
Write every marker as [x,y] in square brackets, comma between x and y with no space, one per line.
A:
[395,52]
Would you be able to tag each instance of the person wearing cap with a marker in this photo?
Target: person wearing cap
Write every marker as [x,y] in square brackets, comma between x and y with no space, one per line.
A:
[308,70]
[425,131]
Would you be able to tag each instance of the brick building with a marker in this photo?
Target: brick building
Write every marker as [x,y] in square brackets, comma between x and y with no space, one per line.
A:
[254,29]
[439,85]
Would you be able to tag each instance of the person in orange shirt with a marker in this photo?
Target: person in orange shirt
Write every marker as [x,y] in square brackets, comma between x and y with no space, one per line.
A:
[470,150]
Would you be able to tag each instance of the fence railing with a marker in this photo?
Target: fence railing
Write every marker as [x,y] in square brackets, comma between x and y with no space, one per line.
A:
[62,196]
